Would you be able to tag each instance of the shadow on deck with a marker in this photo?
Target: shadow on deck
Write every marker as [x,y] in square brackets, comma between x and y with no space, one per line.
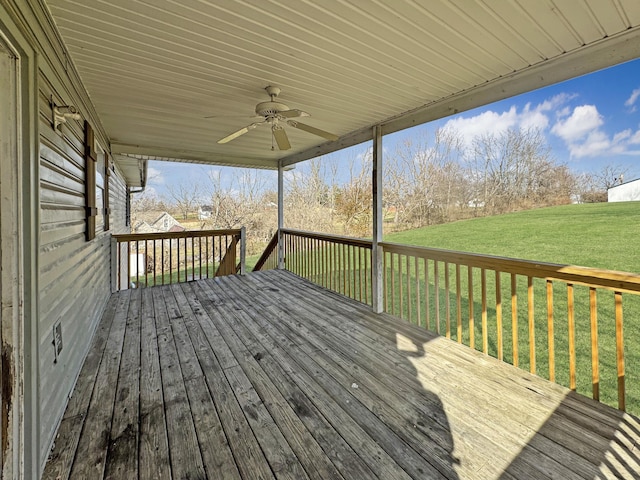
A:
[268,376]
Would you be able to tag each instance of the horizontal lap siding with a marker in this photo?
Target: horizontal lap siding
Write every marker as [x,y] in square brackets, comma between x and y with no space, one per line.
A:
[75,275]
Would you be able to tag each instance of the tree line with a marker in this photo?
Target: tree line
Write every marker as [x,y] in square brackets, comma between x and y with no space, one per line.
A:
[428,179]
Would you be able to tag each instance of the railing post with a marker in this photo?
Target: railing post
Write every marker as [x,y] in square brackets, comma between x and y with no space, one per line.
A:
[115,265]
[243,249]
[280,216]
[377,254]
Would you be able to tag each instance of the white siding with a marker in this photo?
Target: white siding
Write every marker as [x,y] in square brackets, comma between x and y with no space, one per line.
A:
[627,192]
[74,275]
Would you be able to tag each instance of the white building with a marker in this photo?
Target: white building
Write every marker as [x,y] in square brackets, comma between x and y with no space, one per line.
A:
[625,192]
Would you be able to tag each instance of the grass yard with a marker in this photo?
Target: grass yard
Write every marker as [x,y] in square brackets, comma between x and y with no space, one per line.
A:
[601,235]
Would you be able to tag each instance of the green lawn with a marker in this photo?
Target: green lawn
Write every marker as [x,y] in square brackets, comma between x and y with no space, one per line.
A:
[602,235]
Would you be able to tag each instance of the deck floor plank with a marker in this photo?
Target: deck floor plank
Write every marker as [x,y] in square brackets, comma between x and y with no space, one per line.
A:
[337,449]
[463,398]
[214,447]
[269,376]
[315,463]
[345,398]
[153,458]
[92,448]
[184,453]
[123,439]
[519,414]
[61,458]
[214,361]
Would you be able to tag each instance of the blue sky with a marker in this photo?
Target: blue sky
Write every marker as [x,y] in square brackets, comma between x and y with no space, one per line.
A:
[589,122]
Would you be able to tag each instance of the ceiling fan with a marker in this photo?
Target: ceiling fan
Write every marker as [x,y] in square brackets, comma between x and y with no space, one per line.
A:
[276,114]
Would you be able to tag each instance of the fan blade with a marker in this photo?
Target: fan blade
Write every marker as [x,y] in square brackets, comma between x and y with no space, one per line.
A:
[233,116]
[242,131]
[281,137]
[313,130]
[293,113]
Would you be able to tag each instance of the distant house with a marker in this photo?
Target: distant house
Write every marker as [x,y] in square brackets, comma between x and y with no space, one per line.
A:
[625,192]
[204,212]
[156,222]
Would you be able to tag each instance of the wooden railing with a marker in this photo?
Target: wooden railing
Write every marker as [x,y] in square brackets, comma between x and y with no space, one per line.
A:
[562,322]
[338,263]
[269,258]
[148,259]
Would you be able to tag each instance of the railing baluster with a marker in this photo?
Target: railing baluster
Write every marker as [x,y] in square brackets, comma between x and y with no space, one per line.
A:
[532,326]
[472,327]
[384,282]
[436,287]
[499,315]
[146,267]
[595,363]
[447,296]
[458,308]
[620,352]
[417,275]
[400,288]
[550,332]
[485,334]
[426,295]
[129,264]
[393,286]
[154,260]
[514,318]
[409,302]
[572,337]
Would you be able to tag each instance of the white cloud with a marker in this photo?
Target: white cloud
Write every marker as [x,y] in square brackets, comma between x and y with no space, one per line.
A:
[631,101]
[154,175]
[583,134]
[492,122]
[579,124]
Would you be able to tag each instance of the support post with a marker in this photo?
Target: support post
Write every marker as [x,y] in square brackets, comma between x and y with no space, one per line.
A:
[280,216]
[243,250]
[377,254]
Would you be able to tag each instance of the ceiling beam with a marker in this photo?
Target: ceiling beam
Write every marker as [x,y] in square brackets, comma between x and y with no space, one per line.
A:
[190,156]
[586,59]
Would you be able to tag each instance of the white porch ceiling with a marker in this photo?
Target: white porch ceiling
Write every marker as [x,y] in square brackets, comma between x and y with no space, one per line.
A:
[155,68]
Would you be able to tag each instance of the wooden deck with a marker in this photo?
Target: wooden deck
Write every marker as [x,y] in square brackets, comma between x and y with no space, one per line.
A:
[268,376]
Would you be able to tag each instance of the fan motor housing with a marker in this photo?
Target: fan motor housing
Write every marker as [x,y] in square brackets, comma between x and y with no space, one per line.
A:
[267,109]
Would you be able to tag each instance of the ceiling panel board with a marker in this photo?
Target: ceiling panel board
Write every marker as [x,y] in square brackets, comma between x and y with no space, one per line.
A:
[155,68]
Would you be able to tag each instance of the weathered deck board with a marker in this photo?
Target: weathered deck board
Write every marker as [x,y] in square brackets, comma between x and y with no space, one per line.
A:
[268,376]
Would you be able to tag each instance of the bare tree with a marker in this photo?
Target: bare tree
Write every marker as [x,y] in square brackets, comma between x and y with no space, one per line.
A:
[353,200]
[514,170]
[185,196]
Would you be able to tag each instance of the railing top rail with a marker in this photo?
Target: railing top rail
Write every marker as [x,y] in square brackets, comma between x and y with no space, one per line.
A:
[128,237]
[591,277]
[358,242]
